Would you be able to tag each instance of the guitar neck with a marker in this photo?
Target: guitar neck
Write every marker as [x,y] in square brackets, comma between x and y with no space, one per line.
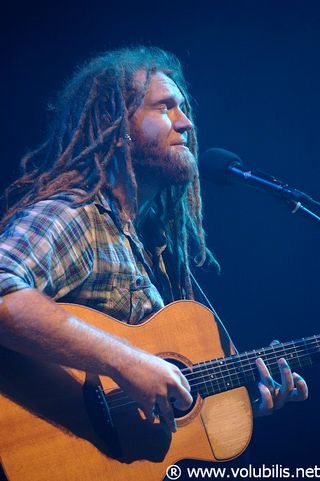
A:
[219,375]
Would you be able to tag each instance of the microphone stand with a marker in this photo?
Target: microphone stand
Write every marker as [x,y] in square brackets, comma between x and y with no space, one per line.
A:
[269,183]
[303,211]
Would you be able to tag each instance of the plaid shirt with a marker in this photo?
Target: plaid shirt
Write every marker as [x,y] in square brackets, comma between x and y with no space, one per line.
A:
[84,255]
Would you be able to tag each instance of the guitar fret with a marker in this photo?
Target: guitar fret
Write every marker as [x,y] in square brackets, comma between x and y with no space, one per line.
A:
[233,361]
[213,378]
[252,372]
[241,369]
[263,354]
[232,379]
[220,365]
[201,386]
[300,359]
[296,361]
[207,378]
[293,357]
[220,374]
[217,374]
[277,352]
[307,350]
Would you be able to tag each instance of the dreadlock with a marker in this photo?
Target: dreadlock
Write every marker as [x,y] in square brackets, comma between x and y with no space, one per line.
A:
[90,117]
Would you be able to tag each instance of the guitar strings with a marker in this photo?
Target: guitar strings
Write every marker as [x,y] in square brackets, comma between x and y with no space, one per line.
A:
[120,395]
[117,405]
[248,358]
[198,374]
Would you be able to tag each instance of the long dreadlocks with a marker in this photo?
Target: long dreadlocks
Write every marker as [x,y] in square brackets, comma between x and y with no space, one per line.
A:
[91,116]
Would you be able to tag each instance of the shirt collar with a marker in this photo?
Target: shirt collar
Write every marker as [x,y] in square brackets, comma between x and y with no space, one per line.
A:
[101,201]
[154,228]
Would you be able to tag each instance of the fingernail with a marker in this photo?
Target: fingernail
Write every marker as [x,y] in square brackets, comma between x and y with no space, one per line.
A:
[283,362]
[174,426]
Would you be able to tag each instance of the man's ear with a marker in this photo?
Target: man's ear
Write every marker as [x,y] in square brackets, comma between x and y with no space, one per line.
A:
[122,140]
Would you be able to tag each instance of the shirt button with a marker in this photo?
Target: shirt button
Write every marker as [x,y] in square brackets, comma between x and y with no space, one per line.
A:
[138,281]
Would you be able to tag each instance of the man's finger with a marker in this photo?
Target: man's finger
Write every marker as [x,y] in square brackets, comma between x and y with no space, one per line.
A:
[166,414]
[265,374]
[185,382]
[182,398]
[287,384]
[300,393]
[265,406]
[286,375]
[149,413]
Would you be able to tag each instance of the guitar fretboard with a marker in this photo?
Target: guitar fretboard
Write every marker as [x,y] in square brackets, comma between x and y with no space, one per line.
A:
[223,374]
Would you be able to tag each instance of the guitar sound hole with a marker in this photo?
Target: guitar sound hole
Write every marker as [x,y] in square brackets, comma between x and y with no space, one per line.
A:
[3,477]
[177,412]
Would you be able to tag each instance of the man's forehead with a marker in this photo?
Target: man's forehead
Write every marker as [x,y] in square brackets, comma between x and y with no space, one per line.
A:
[160,86]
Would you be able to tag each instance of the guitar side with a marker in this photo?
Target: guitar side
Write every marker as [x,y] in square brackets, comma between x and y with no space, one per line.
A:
[46,433]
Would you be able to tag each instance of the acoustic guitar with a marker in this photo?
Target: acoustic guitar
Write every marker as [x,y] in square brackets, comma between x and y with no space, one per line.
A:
[61,424]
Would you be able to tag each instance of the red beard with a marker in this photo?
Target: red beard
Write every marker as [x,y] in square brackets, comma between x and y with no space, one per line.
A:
[171,164]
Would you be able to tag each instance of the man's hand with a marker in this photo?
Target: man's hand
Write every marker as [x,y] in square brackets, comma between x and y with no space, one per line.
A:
[274,395]
[153,383]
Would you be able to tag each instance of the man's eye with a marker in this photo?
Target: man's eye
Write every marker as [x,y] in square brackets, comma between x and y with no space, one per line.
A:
[164,108]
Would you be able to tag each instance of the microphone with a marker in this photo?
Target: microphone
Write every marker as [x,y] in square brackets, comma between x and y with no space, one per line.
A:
[223,167]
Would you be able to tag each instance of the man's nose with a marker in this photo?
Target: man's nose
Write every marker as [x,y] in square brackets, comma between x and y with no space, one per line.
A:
[182,123]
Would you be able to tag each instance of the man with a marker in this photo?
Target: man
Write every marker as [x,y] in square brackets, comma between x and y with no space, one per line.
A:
[107,214]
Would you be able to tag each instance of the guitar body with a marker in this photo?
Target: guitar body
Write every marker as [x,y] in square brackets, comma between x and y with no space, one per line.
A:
[47,431]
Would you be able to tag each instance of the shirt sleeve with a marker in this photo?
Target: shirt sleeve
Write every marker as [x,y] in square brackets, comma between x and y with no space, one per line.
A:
[47,246]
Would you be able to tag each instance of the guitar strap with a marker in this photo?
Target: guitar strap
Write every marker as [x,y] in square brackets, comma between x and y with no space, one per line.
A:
[225,336]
